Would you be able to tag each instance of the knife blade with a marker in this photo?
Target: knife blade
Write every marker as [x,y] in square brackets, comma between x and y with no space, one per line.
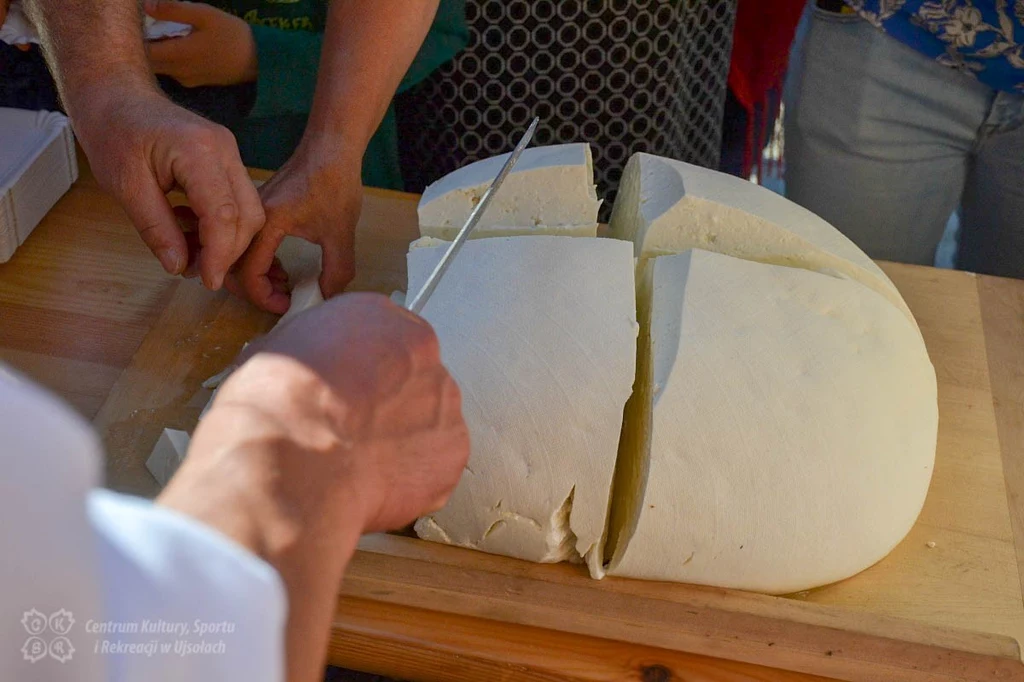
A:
[421,298]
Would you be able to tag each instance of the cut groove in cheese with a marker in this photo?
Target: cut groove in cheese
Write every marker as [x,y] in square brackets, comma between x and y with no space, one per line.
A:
[666,206]
[631,467]
[783,432]
[540,333]
[550,191]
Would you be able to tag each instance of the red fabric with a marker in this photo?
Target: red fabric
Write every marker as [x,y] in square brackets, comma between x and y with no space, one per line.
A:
[760,54]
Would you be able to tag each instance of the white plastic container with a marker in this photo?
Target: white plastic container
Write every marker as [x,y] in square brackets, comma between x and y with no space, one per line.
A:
[37,166]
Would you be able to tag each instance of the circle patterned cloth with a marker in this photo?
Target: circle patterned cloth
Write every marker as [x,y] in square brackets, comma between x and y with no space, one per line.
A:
[624,75]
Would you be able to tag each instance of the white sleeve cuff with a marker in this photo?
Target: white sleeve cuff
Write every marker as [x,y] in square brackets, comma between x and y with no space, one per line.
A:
[205,606]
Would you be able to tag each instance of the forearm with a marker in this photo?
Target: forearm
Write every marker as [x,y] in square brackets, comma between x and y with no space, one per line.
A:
[369,45]
[88,44]
[272,412]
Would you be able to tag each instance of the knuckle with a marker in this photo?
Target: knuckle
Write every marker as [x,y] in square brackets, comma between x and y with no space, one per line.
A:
[255,217]
[227,212]
[424,341]
[202,137]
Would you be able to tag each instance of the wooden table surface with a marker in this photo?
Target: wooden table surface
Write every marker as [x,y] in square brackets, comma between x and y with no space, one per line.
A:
[85,310]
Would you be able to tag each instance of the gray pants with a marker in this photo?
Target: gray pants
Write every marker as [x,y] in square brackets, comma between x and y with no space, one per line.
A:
[885,143]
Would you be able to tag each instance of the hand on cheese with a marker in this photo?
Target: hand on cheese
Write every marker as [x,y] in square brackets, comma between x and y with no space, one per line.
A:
[666,206]
[550,191]
[540,334]
[782,435]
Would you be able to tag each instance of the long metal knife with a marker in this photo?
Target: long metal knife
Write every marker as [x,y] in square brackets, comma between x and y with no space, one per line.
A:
[420,300]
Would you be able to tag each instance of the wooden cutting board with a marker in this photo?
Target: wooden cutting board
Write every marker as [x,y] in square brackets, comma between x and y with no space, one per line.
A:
[86,310]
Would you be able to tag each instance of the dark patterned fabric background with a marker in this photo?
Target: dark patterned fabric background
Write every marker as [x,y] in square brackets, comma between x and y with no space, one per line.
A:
[624,75]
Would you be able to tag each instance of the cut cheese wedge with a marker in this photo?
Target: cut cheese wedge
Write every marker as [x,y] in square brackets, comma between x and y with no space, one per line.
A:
[666,206]
[782,434]
[540,334]
[550,191]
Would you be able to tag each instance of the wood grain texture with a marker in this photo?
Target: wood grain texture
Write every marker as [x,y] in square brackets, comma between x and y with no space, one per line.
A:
[78,297]
[772,631]
[1002,311]
[86,310]
[196,336]
[419,646]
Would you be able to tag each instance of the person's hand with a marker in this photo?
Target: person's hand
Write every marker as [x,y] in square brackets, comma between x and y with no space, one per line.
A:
[341,421]
[317,196]
[220,50]
[356,393]
[140,145]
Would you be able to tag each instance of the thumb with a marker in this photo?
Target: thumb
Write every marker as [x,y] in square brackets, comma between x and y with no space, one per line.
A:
[338,258]
[173,10]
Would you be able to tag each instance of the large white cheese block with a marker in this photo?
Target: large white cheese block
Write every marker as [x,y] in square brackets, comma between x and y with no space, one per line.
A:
[550,191]
[540,334]
[783,432]
[666,206]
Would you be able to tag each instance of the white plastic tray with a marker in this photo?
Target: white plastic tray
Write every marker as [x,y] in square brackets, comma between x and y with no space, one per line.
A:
[37,166]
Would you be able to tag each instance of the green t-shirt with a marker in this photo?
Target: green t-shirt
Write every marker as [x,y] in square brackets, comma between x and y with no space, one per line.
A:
[289,37]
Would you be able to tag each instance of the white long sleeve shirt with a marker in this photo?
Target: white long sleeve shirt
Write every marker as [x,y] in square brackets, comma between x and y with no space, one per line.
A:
[97,587]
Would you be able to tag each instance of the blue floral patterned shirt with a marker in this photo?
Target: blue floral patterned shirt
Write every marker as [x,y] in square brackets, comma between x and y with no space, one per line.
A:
[983,38]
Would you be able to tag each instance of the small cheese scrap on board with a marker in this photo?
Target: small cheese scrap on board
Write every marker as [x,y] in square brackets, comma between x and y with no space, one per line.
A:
[550,191]
[540,334]
[168,454]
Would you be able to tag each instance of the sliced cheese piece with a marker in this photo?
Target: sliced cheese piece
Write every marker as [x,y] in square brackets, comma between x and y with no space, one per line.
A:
[540,333]
[300,258]
[168,454]
[305,295]
[550,191]
[782,435]
[666,206]
[302,261]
